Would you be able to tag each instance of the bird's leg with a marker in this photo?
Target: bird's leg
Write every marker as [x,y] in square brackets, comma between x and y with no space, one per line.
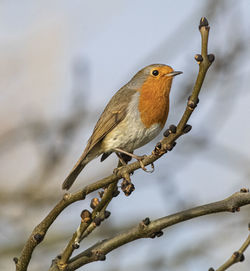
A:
[137,157]
[121,158]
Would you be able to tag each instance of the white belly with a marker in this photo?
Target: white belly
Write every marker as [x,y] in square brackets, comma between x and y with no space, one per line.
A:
[130,133]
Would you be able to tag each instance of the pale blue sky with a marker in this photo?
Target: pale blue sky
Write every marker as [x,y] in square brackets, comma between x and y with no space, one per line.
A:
[40,42]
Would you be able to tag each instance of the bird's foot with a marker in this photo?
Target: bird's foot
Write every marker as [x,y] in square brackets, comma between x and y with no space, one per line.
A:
[139,158]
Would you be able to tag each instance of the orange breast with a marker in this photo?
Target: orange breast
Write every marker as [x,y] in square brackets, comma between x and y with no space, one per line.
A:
[154,101]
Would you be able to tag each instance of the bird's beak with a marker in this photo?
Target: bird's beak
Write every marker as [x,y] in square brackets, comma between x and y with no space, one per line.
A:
[174,73]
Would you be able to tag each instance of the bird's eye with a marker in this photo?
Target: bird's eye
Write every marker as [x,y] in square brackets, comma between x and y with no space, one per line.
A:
[155,72]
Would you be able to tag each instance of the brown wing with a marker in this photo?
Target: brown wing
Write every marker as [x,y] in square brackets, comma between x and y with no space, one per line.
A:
[113,114]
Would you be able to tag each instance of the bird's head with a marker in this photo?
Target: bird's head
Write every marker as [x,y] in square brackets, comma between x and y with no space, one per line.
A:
[157,76]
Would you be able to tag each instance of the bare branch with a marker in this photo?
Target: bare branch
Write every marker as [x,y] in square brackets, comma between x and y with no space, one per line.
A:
[152,229]
[166,144]
[237,256]
[87,225]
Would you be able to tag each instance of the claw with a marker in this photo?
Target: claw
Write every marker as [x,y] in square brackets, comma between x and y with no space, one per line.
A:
[143,166]
[152,170]
[138,158]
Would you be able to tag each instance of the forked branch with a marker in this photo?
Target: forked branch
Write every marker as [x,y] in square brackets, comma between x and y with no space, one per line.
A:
[147,229]
[167,143]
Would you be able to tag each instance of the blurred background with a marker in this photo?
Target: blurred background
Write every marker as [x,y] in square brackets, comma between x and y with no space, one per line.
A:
[61,61]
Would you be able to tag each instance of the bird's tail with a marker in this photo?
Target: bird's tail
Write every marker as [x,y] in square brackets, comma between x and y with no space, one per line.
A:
[73,174]
[86,157]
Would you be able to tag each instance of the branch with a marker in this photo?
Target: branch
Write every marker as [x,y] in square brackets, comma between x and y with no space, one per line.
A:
[167,143]
[88,223]
[237,256]
[147,229]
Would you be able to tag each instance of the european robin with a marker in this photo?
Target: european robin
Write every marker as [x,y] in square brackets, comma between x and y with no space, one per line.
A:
[134,116]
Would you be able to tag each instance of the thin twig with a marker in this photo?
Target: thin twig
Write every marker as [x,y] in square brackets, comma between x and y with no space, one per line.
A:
[237,256]
[87,225]
[167,143]
[154,228]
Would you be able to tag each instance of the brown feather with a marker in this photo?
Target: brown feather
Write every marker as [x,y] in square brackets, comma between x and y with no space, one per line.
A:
[153,110]
[112,115]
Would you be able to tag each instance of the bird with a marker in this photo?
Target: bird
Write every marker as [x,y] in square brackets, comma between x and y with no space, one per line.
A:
[134,116]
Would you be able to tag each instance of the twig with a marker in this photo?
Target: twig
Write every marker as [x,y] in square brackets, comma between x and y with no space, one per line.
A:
[88,224]
[147,229]
[166,144]
[237,256]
